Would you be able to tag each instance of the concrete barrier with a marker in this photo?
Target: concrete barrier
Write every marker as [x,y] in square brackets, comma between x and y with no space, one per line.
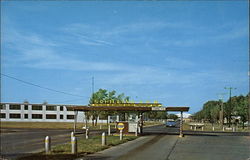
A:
[103,139]
[47,144]
[87,134]
[74,145]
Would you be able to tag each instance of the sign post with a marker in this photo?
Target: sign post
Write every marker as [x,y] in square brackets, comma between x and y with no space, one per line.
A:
[120,126]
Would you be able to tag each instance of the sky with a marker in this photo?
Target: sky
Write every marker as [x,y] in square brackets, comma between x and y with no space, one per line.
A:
[180,53]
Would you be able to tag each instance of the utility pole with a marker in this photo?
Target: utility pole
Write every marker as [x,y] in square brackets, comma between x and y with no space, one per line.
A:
[230,101]
[221,97]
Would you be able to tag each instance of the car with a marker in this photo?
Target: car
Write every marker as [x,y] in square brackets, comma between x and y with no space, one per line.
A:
[170,123]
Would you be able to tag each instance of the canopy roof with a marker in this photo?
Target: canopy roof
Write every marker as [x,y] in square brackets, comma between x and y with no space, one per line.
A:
[120,108]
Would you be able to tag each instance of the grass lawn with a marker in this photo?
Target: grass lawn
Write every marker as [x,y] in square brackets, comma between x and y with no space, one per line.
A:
[152,123]
[217,127]
[92,145]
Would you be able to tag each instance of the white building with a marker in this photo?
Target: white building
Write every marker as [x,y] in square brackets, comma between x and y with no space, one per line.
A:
[37,113]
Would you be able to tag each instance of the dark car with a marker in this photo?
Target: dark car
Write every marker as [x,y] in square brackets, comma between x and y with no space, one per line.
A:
[170,124]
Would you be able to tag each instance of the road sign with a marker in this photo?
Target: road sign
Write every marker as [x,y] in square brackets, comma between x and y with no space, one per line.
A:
[120,126]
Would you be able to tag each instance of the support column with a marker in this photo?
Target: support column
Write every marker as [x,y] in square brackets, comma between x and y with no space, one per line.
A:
[108,120]
[141,123]
[117,118]
[75,120]
[181,125]
[86,120]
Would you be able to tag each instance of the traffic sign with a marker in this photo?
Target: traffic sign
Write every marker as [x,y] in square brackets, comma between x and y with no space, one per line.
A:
[120,126]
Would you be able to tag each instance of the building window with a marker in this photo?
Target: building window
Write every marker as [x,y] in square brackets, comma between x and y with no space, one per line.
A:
[61,108]
[26,107]
[15,107]
[3,107]
[61,116]
[37,116]
[70,109]
[70,116]
[51,116]
[50,108]
[37,107]
[2,115]
[26,116]
[15,116]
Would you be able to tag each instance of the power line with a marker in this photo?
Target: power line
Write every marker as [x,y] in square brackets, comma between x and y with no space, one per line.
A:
[36,85]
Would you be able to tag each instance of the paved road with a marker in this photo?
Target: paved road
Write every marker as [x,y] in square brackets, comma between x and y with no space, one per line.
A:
[19,142]
[161,143]
[16,142]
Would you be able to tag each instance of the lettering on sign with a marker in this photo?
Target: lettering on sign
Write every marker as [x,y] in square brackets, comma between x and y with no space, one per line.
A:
[126,104]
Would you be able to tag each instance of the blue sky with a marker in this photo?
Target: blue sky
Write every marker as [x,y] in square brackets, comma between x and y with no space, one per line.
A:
[179,53]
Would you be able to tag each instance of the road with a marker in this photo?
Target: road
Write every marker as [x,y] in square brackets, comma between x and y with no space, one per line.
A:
[19,142]
[161,143]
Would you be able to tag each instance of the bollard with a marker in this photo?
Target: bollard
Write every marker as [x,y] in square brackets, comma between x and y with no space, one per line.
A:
[191,127]
[202,128]
[109,129]
[74,145]
[121,135]
[213,128]
[47,144]
[103,139]
[195,128]
[223,128]
[87,134]
[72,135]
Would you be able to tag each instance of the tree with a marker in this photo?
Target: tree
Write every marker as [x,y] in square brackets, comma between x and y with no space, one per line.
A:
[102,95]
[172,116]
[239,107]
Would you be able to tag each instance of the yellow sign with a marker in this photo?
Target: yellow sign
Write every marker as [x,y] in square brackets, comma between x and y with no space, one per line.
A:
[126,104]
[120,126]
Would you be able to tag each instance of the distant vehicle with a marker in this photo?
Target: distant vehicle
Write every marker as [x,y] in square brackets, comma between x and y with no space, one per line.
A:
[170,123]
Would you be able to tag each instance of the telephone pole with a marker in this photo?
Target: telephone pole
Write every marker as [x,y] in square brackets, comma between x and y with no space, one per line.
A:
[230,101]
[221,97]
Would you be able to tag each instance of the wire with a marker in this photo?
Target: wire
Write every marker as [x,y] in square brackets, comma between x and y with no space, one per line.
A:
[36,85]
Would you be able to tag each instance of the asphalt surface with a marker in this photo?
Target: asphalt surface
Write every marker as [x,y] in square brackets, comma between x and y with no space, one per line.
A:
[20,142]
[161,143]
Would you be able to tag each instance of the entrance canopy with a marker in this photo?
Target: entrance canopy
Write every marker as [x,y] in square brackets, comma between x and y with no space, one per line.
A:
[121,108]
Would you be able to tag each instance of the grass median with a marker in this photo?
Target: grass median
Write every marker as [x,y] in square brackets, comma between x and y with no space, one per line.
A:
[85,146]
[217,127]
